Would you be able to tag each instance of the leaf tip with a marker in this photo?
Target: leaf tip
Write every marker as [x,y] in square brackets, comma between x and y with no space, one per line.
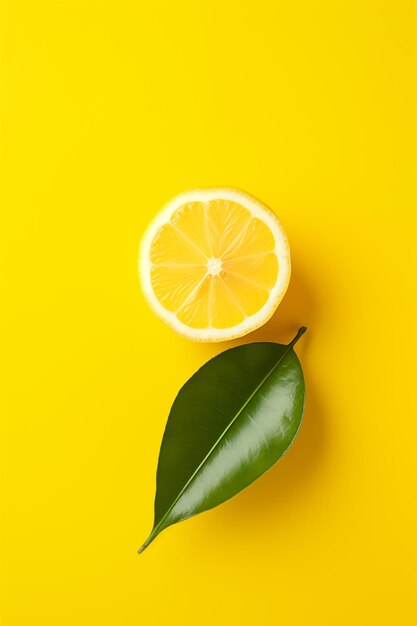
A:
[147,542]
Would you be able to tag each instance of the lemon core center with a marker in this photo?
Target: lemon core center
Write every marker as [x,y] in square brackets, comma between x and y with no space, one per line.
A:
[214,266]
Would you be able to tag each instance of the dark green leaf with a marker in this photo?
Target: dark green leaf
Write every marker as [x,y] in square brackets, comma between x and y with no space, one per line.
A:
[229,423]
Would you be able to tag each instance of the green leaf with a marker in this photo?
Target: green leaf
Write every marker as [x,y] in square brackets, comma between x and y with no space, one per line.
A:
[229,423]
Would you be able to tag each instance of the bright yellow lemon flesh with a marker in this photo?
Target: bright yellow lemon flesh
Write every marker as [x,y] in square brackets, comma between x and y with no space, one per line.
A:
[214,264]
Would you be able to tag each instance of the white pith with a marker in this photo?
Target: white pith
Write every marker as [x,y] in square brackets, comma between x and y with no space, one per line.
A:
[257,209]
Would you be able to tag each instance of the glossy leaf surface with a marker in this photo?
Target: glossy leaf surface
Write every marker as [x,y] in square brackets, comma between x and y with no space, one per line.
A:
[230,422]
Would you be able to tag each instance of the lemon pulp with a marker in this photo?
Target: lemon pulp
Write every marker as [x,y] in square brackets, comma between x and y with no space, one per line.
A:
[213,264]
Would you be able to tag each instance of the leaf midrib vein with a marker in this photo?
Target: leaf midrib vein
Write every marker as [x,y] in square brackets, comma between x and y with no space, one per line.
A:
[214,446]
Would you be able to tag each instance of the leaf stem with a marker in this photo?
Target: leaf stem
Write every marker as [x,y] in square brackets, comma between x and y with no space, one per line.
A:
[300,333]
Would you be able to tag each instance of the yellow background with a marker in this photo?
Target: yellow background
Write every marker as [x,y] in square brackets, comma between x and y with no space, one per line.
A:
[110,108]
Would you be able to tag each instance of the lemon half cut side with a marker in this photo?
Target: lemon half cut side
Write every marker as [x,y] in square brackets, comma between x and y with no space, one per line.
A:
[214,264]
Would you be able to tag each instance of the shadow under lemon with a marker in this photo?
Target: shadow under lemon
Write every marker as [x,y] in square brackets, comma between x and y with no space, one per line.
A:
[298,308]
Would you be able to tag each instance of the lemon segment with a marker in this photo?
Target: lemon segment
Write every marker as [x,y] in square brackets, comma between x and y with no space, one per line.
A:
[214,264]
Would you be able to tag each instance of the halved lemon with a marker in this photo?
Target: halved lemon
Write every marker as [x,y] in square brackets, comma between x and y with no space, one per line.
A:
[214,264]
